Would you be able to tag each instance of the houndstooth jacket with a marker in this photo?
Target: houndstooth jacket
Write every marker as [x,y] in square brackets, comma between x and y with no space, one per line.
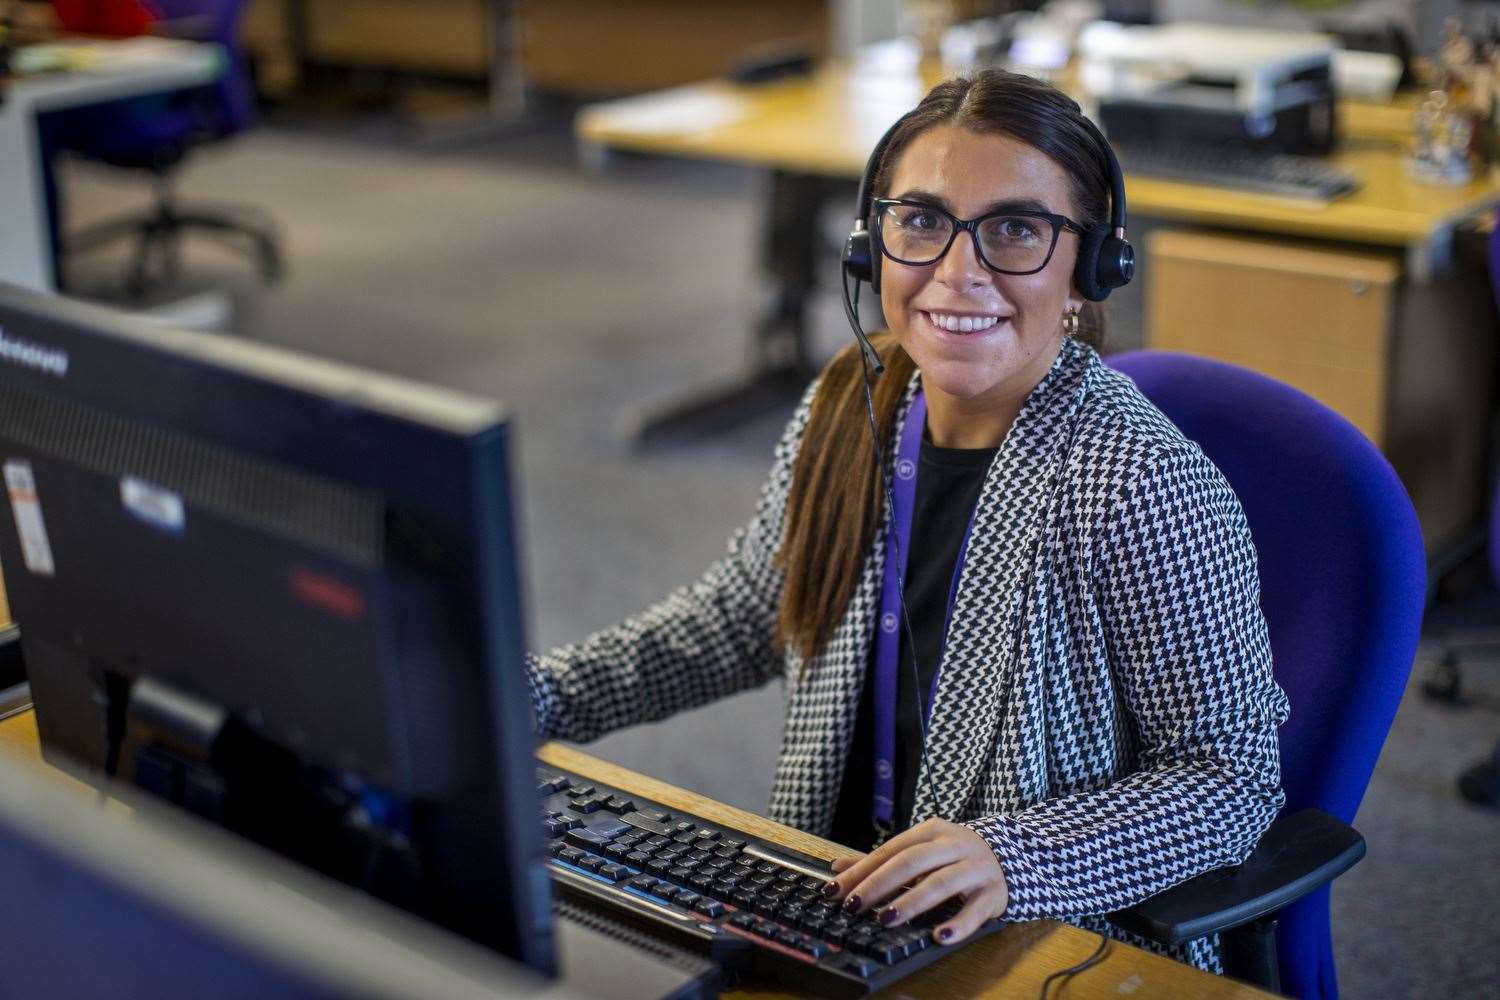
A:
[1105,716]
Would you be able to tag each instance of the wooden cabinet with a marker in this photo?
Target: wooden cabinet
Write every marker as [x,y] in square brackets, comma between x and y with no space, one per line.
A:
[1411,365]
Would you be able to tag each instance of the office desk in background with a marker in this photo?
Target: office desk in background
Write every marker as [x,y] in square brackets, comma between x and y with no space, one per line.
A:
[1408,357]
[1013,962]
[107,71]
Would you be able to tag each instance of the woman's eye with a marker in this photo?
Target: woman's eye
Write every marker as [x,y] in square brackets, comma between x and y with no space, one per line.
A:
[922,221]
[1017,230]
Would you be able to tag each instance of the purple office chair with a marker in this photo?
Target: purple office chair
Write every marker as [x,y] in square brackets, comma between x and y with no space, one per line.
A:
[156,134]
[1343,579]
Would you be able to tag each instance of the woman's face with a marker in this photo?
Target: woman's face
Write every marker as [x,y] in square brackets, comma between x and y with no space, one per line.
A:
[1014,321]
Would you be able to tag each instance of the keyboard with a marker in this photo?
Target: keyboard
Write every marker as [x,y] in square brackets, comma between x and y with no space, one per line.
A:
[1230,167]
[755,909]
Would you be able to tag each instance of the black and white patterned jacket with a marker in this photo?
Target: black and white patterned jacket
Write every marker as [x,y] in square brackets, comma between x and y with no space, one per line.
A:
[1105,716]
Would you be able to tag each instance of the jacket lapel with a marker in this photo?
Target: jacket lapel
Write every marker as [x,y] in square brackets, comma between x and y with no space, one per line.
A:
[996,591]
[823,694]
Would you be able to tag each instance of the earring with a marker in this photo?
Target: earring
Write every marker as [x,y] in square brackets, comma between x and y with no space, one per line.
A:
[1070,324]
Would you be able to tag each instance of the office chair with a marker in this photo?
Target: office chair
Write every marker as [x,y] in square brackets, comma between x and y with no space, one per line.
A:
[1343,578]
[156,134]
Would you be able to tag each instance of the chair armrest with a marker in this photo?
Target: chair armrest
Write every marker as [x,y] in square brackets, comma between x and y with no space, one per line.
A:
[1298,854]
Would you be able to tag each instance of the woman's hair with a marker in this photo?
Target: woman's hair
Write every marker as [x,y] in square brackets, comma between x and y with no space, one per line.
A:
[834,507]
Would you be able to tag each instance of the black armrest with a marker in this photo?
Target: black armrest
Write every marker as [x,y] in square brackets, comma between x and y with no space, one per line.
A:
[1298,854]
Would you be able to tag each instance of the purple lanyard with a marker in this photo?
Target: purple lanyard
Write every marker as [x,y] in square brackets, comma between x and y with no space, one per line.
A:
[888,627]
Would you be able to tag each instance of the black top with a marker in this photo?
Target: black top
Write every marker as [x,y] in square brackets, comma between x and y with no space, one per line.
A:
[948,485]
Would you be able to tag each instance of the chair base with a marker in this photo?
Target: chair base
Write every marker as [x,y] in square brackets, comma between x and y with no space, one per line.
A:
[157,261]
[1480,784]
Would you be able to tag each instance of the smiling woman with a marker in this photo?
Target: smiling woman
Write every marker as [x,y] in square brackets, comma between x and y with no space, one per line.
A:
[1016,610]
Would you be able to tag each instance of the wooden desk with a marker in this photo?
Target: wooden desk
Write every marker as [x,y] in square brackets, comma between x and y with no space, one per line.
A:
[1010,963]
[827,123]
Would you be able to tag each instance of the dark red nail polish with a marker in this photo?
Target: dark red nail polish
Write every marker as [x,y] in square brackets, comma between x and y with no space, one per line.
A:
[889,916]
[830,888]
[852,903]
[945,933]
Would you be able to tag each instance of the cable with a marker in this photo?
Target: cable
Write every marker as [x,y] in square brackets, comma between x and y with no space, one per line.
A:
[1073,970]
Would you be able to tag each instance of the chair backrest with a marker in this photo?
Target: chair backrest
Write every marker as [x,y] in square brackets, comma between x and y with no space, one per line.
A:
[234,91]
[1343,580]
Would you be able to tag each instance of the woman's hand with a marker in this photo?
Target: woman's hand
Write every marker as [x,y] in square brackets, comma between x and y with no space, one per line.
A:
[937,860]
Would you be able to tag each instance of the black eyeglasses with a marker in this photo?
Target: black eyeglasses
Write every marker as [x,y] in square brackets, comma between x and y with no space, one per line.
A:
[910,232]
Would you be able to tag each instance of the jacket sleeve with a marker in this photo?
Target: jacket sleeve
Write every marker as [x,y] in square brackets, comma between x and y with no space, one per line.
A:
[703,642]
[1179,595]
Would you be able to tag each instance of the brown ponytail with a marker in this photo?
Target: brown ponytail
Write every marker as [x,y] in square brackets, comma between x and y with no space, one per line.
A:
[835,504]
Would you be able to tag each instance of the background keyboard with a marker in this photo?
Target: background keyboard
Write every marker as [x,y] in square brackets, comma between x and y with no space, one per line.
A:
[755,909]
[1243,169]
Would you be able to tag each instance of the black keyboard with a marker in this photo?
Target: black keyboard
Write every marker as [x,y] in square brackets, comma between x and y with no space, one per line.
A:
[1230,167]
[754,909]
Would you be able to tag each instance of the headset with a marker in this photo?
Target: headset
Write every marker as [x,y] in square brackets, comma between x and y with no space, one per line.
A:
[1106,260]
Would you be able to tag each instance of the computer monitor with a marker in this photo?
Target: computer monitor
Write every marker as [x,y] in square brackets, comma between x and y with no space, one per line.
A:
[144,902]
[282,593]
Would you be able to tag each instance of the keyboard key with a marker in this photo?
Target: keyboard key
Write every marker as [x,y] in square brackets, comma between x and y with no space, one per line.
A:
[653,843]
[637,859]
[589,804]
[591,863]
[738,843]
[655,815]
[606,825]
[813,884]
[581,791]
[687,898]
[727,852]
[704,833]
[679,874]
[570,855]
[617,851]
[613,872]
[683,826]
[586,839]
[744,921]
[619,804]
[707,907]
[644,821]
[705,845]
[686,837]
[885,949]
[768,868]
[862,967]
[642,883]
[741,871]
[787,936]
[701,881]
[664,891]
[721,889]
[812,946]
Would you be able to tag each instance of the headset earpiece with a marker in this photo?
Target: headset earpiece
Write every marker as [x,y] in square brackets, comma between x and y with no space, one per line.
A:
[859,256]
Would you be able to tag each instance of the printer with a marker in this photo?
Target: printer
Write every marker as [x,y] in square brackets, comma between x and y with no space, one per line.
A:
[1202,84]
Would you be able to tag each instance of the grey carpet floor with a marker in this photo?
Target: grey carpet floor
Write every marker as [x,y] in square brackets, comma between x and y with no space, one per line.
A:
[505,269]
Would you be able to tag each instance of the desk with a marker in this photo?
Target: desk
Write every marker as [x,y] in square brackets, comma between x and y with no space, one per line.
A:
[1430,395]
[119,69]
[1010,963]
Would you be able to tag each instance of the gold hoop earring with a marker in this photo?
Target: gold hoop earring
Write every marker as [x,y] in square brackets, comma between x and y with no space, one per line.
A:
[1070,324]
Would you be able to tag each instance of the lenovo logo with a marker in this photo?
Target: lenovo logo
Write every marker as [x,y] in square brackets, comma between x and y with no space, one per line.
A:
[23,352]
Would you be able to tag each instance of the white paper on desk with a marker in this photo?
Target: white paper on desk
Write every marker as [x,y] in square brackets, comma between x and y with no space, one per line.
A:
[672,112]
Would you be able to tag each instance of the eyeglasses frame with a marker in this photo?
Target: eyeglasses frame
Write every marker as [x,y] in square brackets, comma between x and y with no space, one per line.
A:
[971,226]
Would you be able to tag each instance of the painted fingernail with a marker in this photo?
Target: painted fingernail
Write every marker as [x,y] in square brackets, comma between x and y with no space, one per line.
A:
[889,916]
[852,903]
[830,888]
[945,934]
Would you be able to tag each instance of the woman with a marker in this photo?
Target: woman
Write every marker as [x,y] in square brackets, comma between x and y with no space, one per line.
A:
[1089,716]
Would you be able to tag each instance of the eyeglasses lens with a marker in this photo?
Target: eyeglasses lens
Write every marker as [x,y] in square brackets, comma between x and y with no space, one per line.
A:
[913,234]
